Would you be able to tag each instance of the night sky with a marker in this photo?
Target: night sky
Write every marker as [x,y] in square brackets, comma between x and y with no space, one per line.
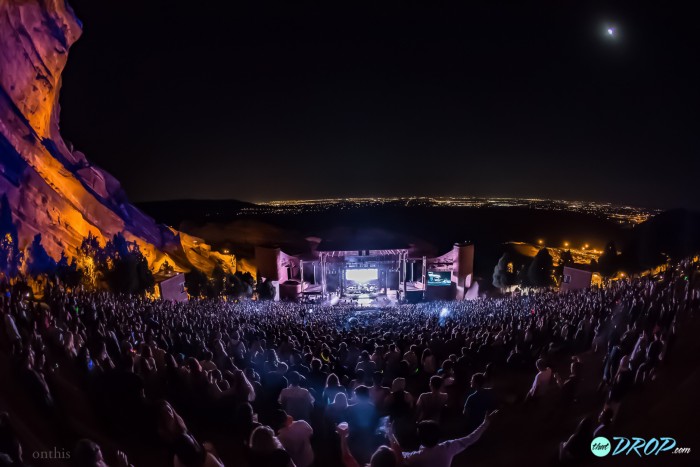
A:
[284,100]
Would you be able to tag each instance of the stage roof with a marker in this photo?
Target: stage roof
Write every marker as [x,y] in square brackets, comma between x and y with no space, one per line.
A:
[381,246]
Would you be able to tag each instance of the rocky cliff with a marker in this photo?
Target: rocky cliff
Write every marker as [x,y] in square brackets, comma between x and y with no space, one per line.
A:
[52,188]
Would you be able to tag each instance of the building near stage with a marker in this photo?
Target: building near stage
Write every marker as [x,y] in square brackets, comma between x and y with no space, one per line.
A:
[172,288]
[367,268]
[575,279]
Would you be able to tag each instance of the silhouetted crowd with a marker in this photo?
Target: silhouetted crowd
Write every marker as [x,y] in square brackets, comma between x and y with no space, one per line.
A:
[290,384]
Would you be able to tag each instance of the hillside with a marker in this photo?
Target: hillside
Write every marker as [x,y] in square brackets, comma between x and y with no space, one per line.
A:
[52,188]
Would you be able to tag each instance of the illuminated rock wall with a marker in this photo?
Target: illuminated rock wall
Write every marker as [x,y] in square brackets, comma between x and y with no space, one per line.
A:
[52,188]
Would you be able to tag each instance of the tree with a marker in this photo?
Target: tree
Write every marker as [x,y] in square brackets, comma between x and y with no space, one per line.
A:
[609,262]
[68,273]
[246,278]
[242,284]
[217,283]
[594,265]
[125,268]
[196,283]
[39,262]
[503,275]
[91,248]
[91,261]
[234,286]
[266,290]
[565,259]
[539,274]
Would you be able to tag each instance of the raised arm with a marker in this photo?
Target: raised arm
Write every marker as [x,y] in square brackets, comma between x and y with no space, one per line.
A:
[460,444]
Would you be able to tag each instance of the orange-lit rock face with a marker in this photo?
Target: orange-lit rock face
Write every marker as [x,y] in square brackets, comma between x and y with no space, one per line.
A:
[52,189]
[35,41]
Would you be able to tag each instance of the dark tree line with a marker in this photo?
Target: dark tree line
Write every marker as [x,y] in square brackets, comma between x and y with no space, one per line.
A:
[220,284]
[541,271]
[538,273]
[119,263]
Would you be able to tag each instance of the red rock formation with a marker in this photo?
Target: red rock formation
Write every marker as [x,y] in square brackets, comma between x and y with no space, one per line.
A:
[53,189]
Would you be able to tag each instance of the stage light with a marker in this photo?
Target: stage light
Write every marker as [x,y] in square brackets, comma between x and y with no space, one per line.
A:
[444,313]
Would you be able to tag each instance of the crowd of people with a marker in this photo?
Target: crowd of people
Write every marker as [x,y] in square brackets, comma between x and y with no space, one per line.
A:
[289,384]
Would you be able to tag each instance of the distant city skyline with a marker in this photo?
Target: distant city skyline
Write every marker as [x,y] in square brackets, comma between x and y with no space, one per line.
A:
[629,215]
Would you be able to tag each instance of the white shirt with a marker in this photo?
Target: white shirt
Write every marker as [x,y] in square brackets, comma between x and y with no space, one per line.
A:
[541,382]
[441,455]
[296,439]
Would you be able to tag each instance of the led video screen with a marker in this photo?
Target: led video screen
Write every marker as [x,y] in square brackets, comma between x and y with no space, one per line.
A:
[441,278]
[361,276]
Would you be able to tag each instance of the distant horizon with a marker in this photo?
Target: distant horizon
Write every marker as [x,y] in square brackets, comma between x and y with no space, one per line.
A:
[417,197]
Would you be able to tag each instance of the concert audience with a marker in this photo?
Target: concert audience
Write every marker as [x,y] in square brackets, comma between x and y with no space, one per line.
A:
[293,387]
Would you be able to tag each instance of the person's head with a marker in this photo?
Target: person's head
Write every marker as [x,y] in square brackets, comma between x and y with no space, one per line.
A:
[193,365]
[435,383]
[478,380]
[245,414]
[263,439]
[165,411]
[294,378]
[541,365]
[428,433]
[170,361]
[447,366]
[383,457]
[316,364]
[362,392]
[87,454]
[280,419]
[332,381]
[340,400]
[188,451]
[399,384]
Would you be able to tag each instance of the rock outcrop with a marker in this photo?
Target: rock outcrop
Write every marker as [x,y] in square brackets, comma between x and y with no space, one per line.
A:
[52,188]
